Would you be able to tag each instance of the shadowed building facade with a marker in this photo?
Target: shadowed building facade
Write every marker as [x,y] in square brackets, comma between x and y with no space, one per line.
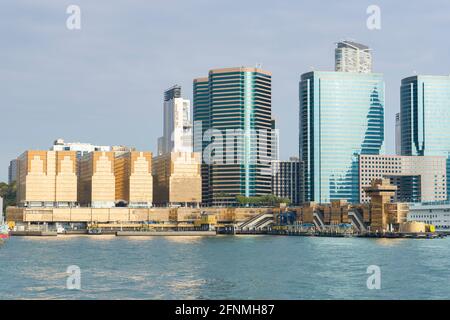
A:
[12,171]
[134,180]
[177,179]
[286,181]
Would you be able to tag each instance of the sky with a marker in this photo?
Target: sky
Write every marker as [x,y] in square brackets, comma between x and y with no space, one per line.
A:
[104,83]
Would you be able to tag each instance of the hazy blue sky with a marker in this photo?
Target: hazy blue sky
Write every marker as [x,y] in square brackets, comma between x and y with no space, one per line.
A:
[104,83]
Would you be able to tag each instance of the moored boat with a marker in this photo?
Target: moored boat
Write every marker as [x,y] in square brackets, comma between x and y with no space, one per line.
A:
[4,231]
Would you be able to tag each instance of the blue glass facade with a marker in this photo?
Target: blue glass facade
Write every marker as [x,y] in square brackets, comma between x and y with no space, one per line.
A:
[425,117]
[341,117]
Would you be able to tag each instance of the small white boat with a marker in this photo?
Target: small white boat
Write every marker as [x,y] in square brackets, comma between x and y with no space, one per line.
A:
[95,231]
[60,229]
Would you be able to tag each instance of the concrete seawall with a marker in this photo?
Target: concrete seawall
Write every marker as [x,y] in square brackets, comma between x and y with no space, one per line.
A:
[164,233]
[34,233]
[118,233]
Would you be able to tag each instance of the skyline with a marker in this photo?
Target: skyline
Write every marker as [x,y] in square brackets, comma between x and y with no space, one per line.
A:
[68,87]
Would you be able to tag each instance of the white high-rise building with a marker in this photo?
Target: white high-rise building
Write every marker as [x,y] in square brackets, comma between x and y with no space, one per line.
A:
[80,147]
[353,57]
[177,131]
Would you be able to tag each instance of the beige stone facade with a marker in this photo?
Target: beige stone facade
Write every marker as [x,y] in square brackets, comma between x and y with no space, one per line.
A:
[177,178]
[134,180]
[100,179]
[47,177]
[97,180]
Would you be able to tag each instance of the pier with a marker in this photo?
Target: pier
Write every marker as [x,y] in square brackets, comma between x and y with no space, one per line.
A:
[164,233]
[34,233]
[51,233]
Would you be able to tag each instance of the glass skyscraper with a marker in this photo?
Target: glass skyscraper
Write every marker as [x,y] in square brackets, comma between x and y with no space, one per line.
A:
[341,117]
[201,112]
[236,102]
[425,117]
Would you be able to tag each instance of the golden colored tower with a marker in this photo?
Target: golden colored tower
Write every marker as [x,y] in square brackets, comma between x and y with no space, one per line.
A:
[177,178]
[47,178]
[380,192]
[134,180]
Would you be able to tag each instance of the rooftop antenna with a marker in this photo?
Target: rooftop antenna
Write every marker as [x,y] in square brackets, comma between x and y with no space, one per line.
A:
[259,65]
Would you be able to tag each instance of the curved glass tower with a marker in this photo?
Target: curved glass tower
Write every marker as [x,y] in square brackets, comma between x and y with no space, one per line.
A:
[341,117]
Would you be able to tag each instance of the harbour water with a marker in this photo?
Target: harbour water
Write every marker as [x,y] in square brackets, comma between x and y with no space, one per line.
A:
[223,267]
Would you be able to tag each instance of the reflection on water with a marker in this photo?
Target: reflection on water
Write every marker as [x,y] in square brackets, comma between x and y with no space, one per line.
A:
[190,288]
[72,237]
[42,239]
[392,242]
[138,239]
[184,239]
[99,237]
[223,267]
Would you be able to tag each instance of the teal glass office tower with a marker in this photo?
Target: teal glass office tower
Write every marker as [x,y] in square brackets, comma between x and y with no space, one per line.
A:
[237,102]
[201,116]
[341,117]
[425,117]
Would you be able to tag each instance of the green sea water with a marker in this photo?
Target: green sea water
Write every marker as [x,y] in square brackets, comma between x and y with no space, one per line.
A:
[223,267]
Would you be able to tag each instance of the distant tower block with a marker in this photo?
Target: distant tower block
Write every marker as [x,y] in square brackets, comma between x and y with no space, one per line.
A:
[177,128]
[380,192]
[353,57]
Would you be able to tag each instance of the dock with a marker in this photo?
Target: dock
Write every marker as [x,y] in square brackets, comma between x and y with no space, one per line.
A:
[116,233]
[34,233]
[164,233]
